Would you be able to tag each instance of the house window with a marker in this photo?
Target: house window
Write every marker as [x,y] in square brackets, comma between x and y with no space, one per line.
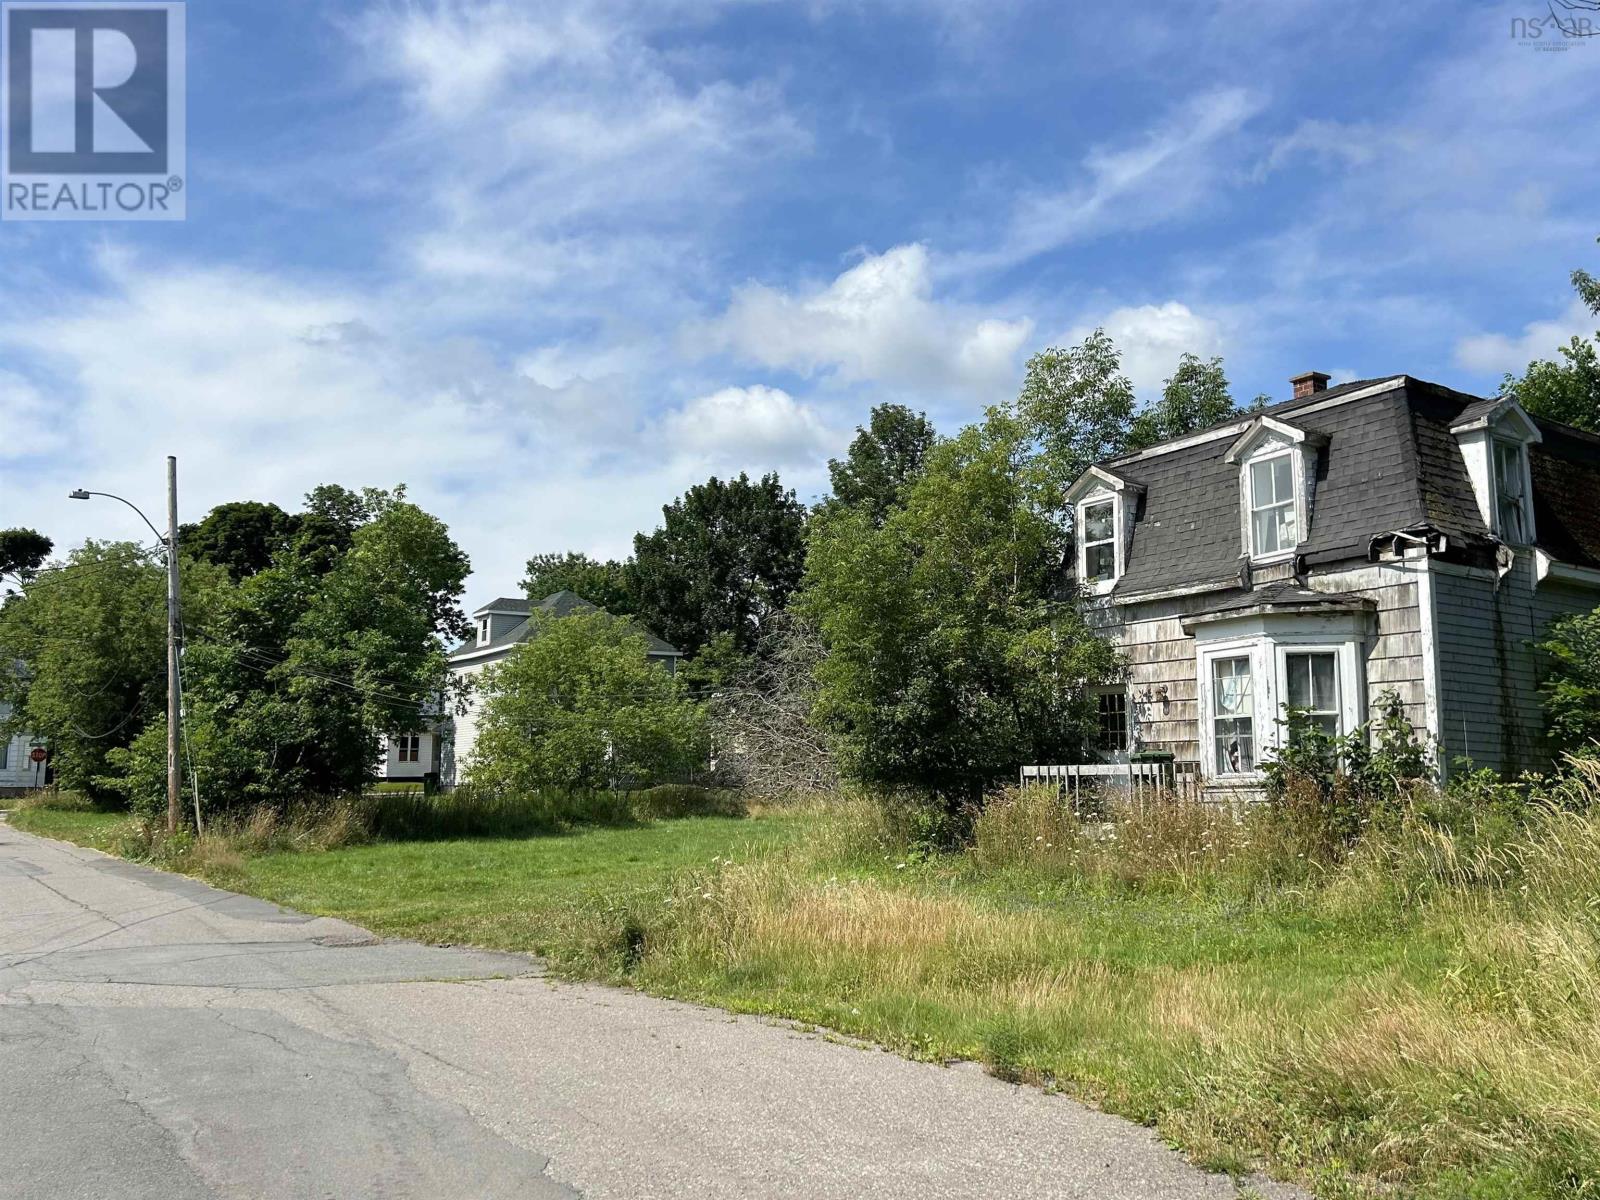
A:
[1313,685]
[5,755]
[410,747]
[1274,528]
[1114,722]
[1233,716]
[1511,493]
[1100,542]
[483,631]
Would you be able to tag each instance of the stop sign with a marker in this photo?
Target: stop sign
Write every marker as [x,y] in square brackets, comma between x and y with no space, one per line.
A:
[39,754]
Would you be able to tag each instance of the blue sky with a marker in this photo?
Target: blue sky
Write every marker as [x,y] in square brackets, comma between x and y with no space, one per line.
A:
[549,263]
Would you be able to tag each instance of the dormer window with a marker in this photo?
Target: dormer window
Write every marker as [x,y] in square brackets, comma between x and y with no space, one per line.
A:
[1274,523]
[1099,559]
[1511,492]
[483,631]
[1277,463]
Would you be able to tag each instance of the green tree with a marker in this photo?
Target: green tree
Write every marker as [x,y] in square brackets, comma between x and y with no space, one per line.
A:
[725,559]
[302,667]
[23,552]
[580,706]
[883,460]
[91,638]
[948,663]
[1572,689]
[242,537]
[601,583]
[1196,397]
[1567,391]
[1074,410]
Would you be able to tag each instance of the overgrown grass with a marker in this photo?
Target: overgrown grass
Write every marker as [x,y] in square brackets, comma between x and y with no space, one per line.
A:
[1416,1015]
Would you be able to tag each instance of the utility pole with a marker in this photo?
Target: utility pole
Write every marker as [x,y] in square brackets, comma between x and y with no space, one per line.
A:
[174,704]
[174,623]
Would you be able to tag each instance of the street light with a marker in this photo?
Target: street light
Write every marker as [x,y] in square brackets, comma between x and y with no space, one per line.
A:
[174,708]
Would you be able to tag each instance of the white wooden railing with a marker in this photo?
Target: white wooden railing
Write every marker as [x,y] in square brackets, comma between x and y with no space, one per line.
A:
[1138,781]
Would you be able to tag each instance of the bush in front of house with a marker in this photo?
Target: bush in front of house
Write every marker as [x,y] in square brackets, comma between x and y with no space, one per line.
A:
[581,708]
[1572,690]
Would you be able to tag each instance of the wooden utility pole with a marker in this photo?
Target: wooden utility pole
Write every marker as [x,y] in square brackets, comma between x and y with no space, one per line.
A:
[174,704]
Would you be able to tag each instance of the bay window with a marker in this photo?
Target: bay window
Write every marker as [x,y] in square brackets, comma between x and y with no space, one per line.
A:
[1312,684]
[1233,716]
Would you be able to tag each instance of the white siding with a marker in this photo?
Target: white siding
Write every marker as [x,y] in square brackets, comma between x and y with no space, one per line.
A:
[17,773]
[1489,672]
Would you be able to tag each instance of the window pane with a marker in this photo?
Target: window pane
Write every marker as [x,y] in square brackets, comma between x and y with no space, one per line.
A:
[1325,697]
[1298,668]
[1282,479]
[1113,721]
[1097,523]
[1101,562]
[1235,744]
[1261,485]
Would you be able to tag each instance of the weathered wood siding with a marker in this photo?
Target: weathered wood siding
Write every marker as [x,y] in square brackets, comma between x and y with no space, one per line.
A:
[1489,670]
[1160,654]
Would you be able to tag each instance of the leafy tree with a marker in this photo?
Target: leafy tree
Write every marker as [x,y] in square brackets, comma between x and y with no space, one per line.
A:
[1567,391]
[947,662]
[23,552]
[726,558]
[883,460]
[241,537]
[92,638]
[604,584]
[1074,410]
[304,666]
[1572,690]
[580,706]
[1197,396]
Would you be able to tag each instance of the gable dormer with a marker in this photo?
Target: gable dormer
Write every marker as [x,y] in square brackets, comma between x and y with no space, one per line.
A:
[1494,436]
[1277,465]
[498,618]
[1103,507]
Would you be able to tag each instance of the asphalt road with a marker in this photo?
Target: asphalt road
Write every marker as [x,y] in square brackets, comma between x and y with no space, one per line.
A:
[161,1040]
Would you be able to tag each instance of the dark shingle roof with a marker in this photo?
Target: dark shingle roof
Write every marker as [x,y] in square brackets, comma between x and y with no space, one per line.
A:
[1566,492]
[503,605]
[557,604]
[1390,463]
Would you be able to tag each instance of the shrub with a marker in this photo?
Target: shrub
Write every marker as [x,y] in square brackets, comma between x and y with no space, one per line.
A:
[1572,690]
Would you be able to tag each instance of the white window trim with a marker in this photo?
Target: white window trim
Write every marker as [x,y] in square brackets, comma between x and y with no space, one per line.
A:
[1267,438]
[1296,496]
[1095,500]
[1269,681]
[1128,722]
[1495,441]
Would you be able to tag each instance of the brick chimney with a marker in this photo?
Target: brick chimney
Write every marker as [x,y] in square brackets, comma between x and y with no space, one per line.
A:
[1309,384]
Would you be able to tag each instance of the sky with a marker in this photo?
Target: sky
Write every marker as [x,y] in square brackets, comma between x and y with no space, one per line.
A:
[549,263]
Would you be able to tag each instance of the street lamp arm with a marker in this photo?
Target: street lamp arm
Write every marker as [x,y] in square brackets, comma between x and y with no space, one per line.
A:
[81,494]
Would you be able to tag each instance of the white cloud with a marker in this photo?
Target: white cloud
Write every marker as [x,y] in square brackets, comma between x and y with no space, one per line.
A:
[755,428]
[570,152]
[1497,353]
[1167,174]
[1152,337]
[878,321]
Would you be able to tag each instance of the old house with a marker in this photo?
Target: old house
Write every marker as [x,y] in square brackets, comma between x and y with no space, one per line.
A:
[1383,535]
[442,747]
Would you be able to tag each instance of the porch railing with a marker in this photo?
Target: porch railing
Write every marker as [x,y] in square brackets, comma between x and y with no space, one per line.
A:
[1140,781]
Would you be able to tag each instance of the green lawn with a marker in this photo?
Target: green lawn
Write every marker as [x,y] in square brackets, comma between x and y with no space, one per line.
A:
[1363,1043]
[85,827]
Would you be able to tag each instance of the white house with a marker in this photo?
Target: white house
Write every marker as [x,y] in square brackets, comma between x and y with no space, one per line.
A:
[441,749]
[18,772]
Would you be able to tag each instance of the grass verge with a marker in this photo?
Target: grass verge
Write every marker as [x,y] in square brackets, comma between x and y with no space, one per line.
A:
[1421,1018]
